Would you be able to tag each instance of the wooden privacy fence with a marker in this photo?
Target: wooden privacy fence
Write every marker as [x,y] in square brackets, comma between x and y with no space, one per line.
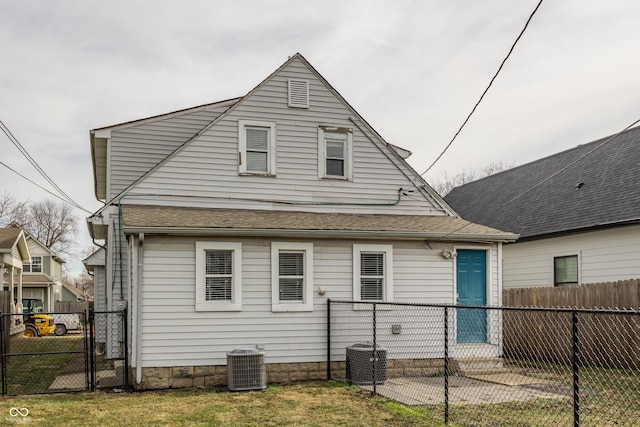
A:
[624,294]
[607,340]
[72,306]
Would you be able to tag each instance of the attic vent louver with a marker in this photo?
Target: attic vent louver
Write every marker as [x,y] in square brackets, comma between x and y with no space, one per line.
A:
[298,93]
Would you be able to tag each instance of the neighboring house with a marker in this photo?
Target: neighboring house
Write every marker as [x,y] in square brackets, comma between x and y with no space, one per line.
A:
[42,276]
[70,293]
[95,265]
[577,213]
[229,225]
[14,254]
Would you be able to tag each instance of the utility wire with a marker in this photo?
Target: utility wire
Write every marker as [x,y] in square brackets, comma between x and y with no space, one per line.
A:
[41,187]
[539,183]
[486,90]
[35,164]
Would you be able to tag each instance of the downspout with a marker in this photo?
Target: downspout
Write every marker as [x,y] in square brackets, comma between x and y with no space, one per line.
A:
[120,246]
[138,309]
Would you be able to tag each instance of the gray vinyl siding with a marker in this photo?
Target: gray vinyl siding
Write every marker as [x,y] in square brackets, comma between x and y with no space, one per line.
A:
[137,149]
[206,169]
[604,256]
[118,275]
[174,334]
[99,288]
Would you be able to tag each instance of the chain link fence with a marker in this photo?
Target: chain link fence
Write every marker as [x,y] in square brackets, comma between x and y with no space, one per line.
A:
[63,352]
[43,359]
[488,366]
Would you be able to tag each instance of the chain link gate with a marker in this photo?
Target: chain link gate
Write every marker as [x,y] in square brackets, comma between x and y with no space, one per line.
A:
[87,354]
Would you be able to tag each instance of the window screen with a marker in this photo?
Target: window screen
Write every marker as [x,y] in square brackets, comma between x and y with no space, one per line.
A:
[219,276]
[257,149]
[291,282]
[371,276]
[335,157]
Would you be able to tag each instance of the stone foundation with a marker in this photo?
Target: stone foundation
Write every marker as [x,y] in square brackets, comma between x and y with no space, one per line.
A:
[277,373]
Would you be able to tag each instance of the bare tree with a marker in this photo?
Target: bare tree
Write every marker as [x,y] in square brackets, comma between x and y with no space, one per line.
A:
[448,182]
[83,282]
[51,223]
[10,209]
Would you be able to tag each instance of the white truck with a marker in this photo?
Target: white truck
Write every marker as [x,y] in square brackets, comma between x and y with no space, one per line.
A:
[66,322]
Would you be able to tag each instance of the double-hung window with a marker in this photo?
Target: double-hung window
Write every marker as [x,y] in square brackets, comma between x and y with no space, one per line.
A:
[373,273]
[35,266]
[334,148]
[218,276]
[291,276]
[565,270]
[257,149]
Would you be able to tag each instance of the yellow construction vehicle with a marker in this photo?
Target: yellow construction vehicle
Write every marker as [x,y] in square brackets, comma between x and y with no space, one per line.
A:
[36,324]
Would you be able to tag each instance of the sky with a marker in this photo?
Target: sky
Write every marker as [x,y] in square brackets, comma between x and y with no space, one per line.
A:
[412,69]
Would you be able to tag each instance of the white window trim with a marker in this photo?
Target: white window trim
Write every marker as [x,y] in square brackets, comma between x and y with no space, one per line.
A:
[31,264]
[387,250]
[236,300]
[322,154]
[242,147]
[307,304]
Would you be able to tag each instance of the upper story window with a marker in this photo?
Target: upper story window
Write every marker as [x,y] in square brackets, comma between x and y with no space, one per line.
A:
[34,267]
[565,270]
[291,276]
[335,148]
[257,147]
[373,273]
[218,276]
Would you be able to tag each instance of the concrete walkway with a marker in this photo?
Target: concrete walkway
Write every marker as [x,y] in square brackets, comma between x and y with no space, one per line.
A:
[482,389]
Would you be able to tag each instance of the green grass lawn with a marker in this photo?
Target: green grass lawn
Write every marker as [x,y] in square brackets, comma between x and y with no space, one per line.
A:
[34,373]
[307,404]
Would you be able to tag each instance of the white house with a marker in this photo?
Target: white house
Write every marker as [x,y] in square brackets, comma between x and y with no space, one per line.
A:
[14,254]
[42,276]
[228,225]
[577,213]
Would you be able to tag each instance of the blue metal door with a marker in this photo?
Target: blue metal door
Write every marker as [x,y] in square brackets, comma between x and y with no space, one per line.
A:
[471,288]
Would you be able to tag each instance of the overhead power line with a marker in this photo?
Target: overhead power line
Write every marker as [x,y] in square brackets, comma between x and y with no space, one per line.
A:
[25,153]
[42,188]
[486,90]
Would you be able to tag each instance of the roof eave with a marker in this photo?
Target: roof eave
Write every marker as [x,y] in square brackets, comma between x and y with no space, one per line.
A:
[586,229]
[99,141]
[342,234]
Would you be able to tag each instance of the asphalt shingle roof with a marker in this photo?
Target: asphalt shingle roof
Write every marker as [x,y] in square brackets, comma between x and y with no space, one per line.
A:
[602,189]
[8,236]
[138,216]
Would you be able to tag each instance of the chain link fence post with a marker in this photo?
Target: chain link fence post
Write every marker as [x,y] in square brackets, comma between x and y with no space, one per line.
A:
[576,366]
[446,365]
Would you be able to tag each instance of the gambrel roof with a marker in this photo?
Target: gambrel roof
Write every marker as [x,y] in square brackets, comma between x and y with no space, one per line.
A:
[595,186]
